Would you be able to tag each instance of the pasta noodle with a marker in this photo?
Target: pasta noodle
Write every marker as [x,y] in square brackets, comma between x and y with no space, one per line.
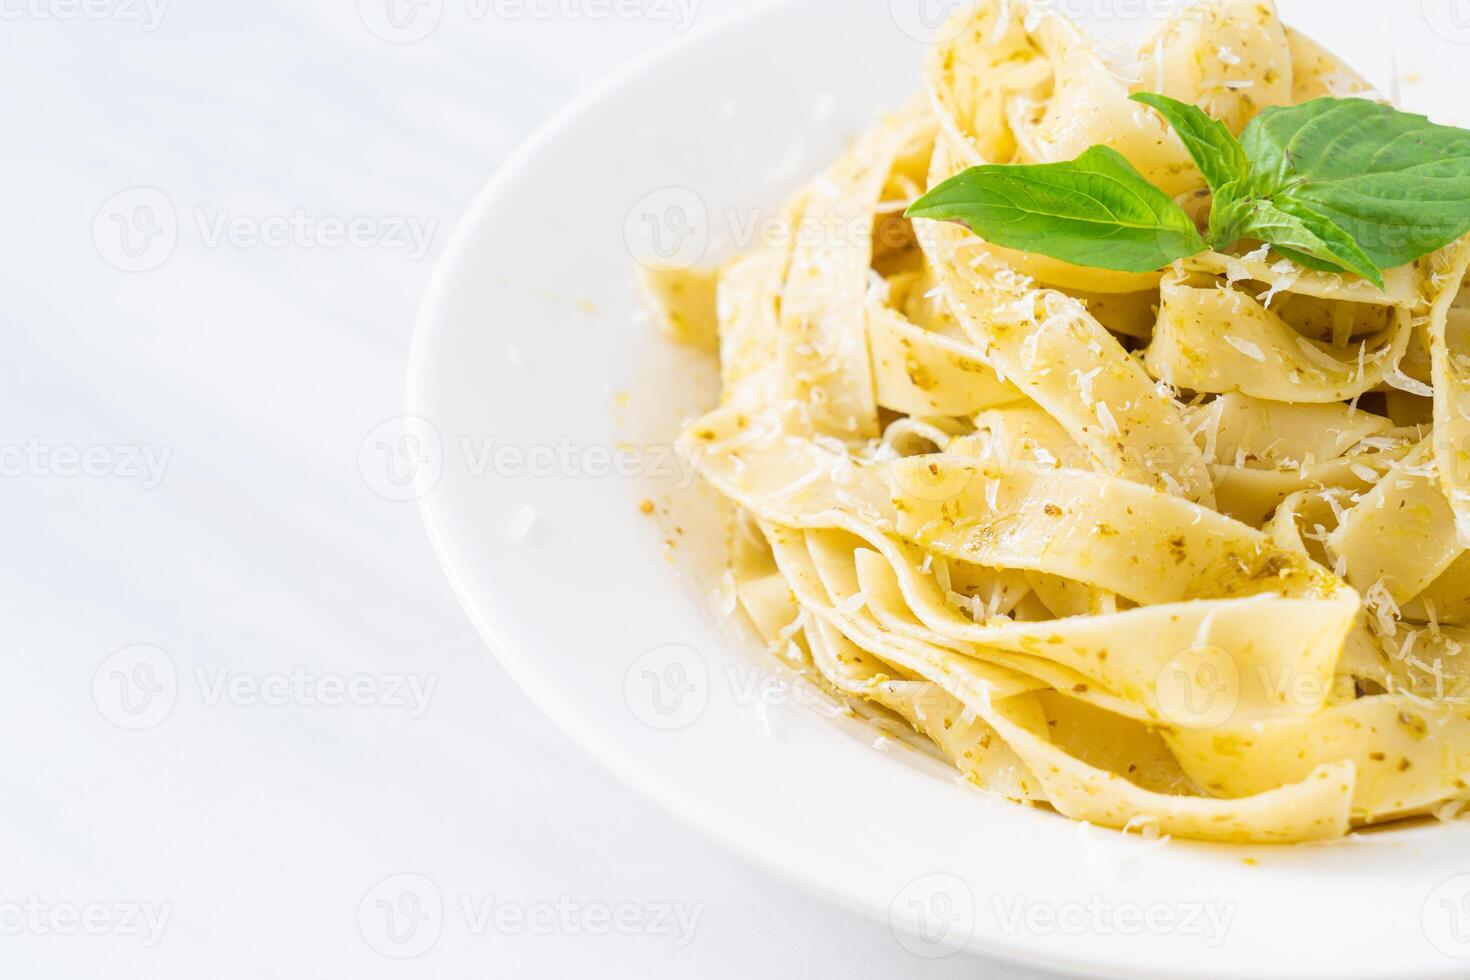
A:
[1185,550]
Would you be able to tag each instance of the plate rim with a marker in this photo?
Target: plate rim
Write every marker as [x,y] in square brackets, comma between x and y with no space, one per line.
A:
[1023,951]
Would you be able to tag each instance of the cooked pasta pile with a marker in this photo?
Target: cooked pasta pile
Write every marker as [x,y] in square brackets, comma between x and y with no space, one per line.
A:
[1179,552]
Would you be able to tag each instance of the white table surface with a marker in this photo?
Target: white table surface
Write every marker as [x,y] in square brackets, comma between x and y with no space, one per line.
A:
[247,374]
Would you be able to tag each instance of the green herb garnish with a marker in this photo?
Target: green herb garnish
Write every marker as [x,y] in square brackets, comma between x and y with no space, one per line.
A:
[1339,185]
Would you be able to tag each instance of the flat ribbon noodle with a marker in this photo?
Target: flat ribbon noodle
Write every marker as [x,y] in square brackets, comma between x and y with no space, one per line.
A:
[1183,550]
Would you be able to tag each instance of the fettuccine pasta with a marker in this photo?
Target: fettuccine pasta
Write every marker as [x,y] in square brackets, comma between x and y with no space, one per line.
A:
[1186,551]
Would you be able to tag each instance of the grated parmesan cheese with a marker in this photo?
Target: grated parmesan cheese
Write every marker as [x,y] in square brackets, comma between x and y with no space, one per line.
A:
[520,526]
[1246,347]
[1383,608]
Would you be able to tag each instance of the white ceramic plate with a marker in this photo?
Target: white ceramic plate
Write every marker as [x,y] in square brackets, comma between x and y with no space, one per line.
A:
[527,340]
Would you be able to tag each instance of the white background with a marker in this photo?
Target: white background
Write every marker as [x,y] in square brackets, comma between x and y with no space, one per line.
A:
[256,371]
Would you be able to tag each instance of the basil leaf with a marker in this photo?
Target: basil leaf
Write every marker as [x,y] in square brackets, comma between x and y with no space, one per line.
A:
[1228,213]
[1095,211]
[1397,183]
[1215,150]
[1306,237]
